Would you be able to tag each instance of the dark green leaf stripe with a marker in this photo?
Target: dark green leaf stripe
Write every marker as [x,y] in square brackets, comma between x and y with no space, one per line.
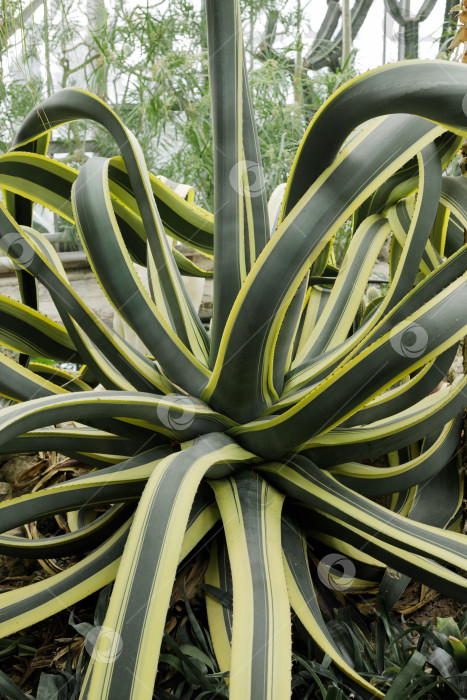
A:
[415,566]
[454,197]
[435,282]
[419,251]
[181,219]
[431,285]
[204,502]
[20,383]
[169,416]
[454,236]
[315,305]
[48,182]
[401,218]
[406,394]
[137,366]
[363,562]
[22,211]
[404,183]
[415,236]
[26,606]
[283,351]
[60,377]
[133,364]
[436,503]
[255,194]
[40,179]
[251,512]
[231,244]
[83,440]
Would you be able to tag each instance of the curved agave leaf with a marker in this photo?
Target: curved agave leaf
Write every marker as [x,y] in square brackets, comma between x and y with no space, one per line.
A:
[437,502]
[28,331]
[26,606]
[135,613]
[304,601]
[48,182]
[73,103]
[81,540]
[93,207]
[371,481]
[261,646]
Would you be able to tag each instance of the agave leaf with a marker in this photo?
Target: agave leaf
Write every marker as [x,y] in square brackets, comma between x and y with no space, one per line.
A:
[251,511]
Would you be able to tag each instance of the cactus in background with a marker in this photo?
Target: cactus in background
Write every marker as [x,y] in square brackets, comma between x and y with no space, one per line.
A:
[409,37]
[326,49]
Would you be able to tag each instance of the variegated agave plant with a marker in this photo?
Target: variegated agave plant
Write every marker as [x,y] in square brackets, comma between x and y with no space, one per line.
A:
[288,399]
